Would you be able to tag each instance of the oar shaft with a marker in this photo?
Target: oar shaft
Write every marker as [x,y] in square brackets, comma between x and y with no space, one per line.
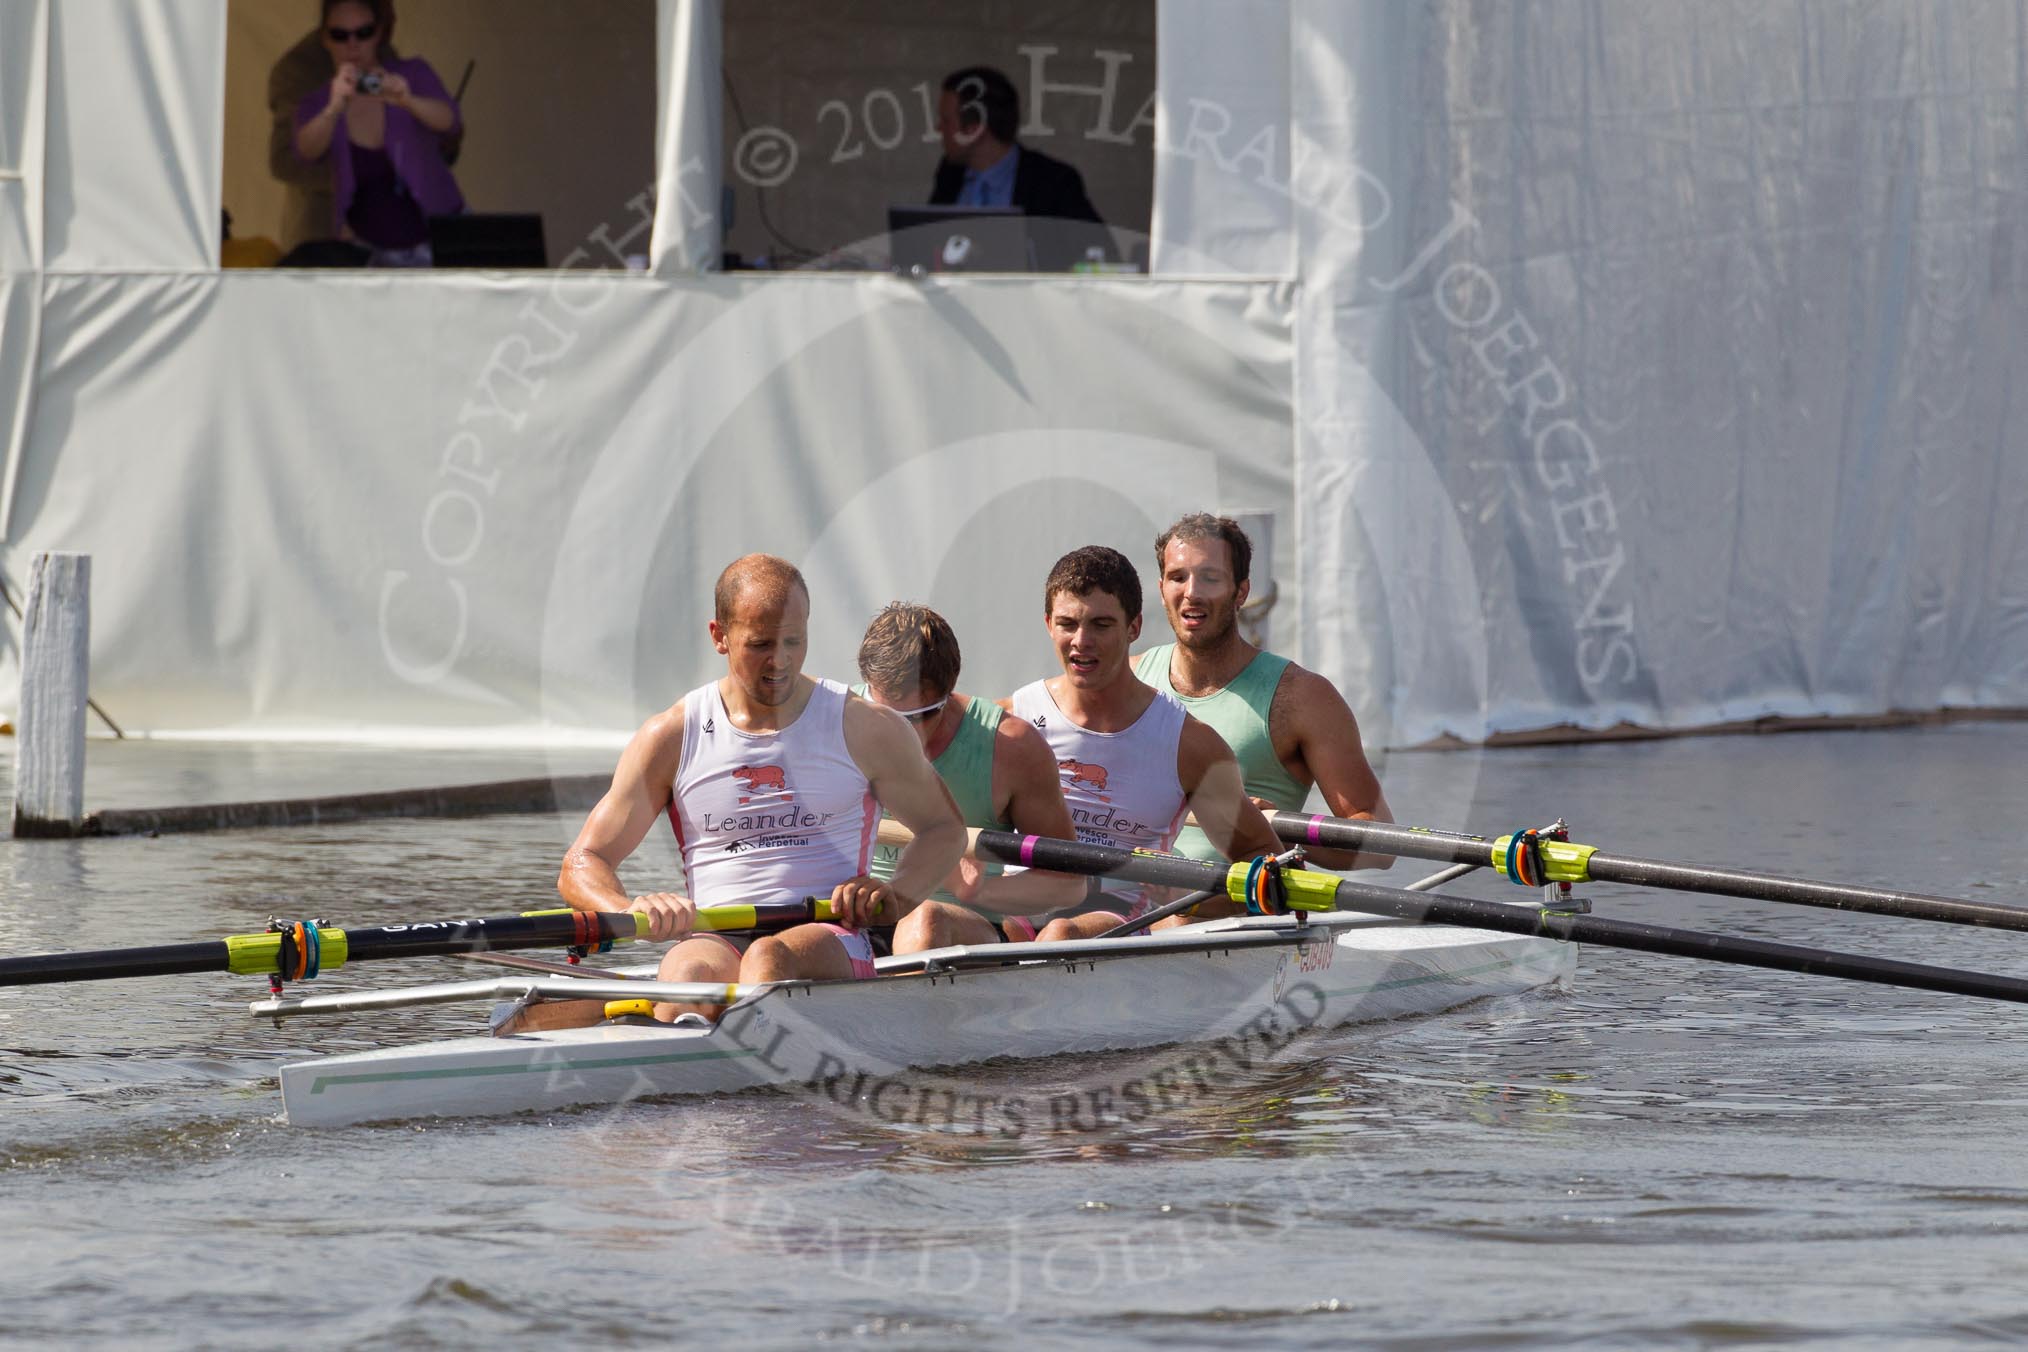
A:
[259,954]
[1076,856]
[436,938]
[1598,866]
[37,969]
[1407,842]
[1616,868]
[1635,936]
[1432,909]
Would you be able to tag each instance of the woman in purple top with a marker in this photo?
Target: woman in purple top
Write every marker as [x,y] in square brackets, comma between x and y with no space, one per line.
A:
[380,122]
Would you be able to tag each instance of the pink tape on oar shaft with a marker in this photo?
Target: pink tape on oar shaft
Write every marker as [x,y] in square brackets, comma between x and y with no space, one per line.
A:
[1028,851]
[1316,830]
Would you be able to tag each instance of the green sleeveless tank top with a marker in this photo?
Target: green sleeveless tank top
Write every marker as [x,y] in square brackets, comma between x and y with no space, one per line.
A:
[1239,714]
[966,767]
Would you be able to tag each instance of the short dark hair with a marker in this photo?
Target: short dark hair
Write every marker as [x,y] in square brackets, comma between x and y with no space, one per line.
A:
[909,645]
[985,93]
[1095,568]
[1205,526]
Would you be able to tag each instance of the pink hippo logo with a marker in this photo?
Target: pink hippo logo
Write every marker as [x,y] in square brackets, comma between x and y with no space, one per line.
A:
[1080,772]
[759,779]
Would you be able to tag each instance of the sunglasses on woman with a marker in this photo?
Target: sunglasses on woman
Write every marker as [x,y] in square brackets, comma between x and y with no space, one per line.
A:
[363,33]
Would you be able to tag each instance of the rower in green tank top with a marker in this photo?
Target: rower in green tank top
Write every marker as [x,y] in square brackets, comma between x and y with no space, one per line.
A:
[1239,713]
[998,770]
[966,767]
[1290,728]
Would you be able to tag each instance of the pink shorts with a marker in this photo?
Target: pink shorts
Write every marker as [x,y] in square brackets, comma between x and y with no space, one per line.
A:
[1022,929]
[736,942]
[858,947]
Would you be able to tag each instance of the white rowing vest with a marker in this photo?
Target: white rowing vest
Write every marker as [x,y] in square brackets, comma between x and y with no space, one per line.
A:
[770,816]
[1121,787]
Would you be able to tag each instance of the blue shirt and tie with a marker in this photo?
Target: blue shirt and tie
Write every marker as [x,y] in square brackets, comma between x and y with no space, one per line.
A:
[993,187]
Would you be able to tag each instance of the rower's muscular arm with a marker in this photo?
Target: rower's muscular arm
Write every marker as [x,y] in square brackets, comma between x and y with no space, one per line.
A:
[1216,790]
[1309,713]
[890,756]
[1028,793]
[590,880]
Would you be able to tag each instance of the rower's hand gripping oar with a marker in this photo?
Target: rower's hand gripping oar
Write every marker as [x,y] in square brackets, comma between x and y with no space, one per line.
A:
[299,950]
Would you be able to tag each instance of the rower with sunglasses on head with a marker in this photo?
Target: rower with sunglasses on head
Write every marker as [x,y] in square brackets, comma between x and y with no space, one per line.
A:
[998,770]
[380,125]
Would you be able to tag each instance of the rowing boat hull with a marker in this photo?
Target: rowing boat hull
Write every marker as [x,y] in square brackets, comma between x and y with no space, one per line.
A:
[855,1042]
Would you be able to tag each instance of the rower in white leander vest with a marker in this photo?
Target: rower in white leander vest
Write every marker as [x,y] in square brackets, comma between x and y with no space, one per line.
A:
[773,783]
[998,769]
[1290,728]
[1131,762]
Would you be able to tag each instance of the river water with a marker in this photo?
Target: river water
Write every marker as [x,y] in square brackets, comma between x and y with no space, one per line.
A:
[1669,1153]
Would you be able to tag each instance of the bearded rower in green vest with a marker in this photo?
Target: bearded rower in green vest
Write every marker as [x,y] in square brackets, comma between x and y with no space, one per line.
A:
[1290,728]
[998,771]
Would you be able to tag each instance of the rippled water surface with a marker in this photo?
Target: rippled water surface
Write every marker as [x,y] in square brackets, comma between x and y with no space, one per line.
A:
[1669,1153]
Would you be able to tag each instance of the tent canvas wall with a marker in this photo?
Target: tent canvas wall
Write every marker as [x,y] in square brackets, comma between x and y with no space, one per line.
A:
[1641,362]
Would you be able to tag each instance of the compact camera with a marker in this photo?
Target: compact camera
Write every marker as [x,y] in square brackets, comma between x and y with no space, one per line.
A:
[370,82]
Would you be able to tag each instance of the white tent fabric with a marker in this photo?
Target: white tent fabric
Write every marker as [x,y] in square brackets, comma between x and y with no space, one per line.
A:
[1633,362]
[687,171]
[24,51]
[24,64]
[517,538]
[135,153]
[1654,361]
[1222,131]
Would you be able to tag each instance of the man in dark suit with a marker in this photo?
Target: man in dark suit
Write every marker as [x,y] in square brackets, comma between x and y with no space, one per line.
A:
[985,164]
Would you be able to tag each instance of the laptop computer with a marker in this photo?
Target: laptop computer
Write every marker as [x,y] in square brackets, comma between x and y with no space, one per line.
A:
[476,240]
[924,239]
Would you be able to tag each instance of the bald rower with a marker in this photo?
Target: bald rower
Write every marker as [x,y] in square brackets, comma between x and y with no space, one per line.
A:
[773,783]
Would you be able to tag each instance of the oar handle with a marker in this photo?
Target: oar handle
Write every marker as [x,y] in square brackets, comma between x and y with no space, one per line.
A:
[300,950]
[762,916]
[771,915]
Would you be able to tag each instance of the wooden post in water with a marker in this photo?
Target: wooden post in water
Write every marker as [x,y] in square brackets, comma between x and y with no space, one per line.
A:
[55,671]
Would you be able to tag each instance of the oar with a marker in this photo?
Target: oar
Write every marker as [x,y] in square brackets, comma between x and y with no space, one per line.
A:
[1189,901]
[1573,863]
[1311,891]
[575,970]
[298,951]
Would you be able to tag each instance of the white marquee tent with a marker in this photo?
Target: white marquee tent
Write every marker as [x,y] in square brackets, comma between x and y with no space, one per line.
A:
[1636,361]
